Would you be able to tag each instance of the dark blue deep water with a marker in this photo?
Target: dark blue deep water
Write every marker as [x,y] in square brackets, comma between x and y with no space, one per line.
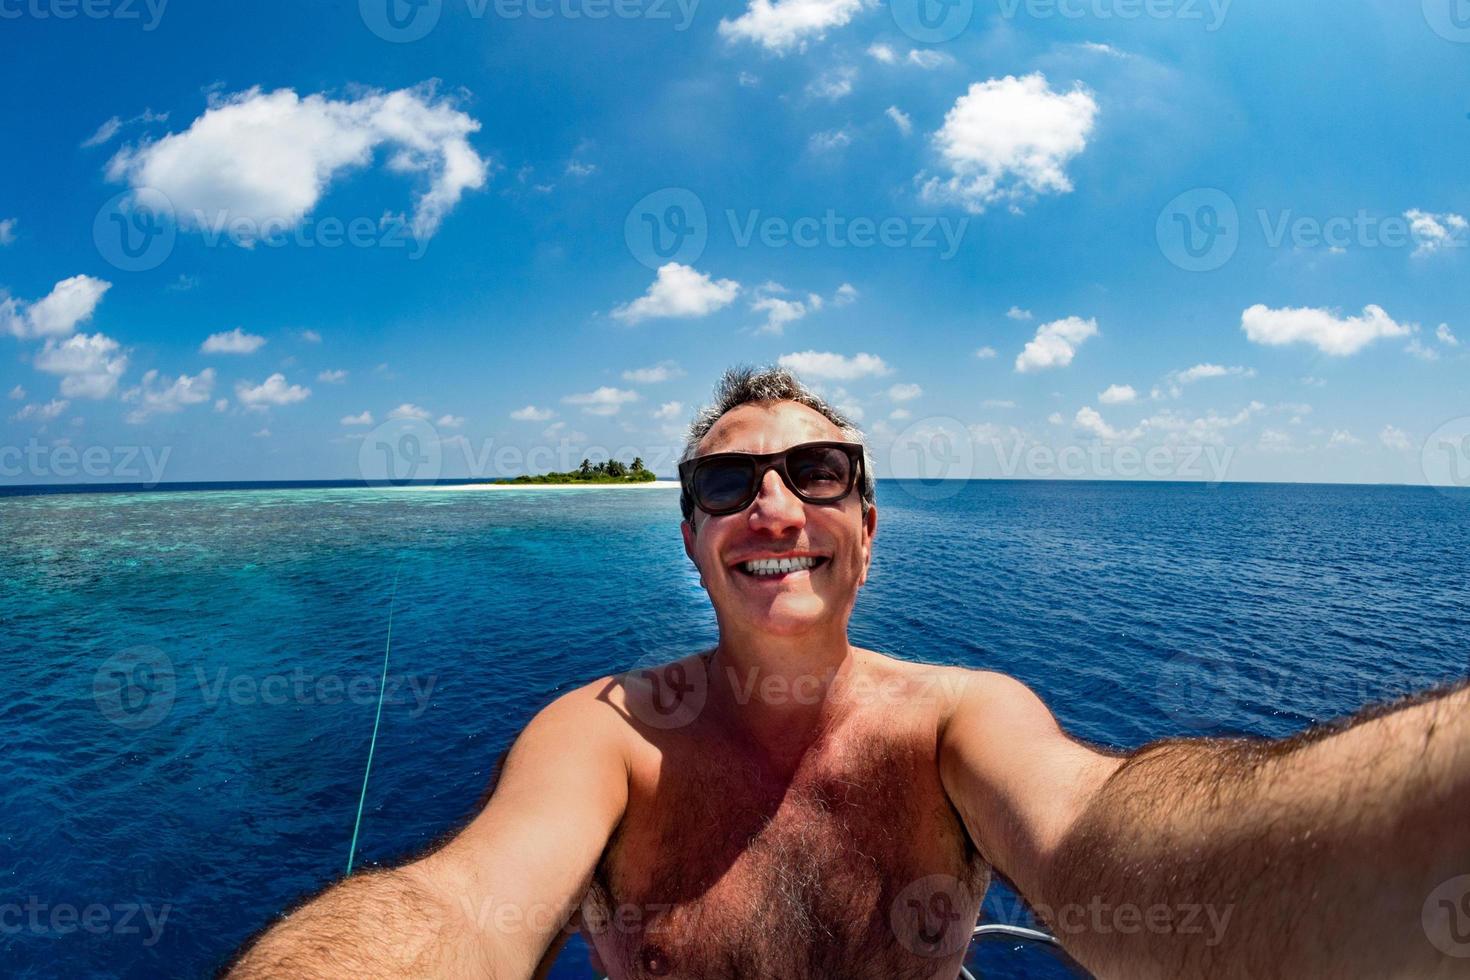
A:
[147,830]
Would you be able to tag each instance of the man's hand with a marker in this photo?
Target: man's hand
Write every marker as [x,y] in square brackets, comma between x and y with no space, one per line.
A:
[494,899]
[1312,856]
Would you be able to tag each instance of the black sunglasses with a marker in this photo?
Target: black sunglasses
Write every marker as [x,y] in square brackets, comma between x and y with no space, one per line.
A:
[817,472]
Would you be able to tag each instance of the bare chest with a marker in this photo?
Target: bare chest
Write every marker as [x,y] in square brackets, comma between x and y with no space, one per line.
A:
[857,866]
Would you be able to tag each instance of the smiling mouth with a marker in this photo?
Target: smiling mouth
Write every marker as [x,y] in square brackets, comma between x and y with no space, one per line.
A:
[775,567]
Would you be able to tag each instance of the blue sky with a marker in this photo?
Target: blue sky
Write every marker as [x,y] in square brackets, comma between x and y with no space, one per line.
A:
[966,223]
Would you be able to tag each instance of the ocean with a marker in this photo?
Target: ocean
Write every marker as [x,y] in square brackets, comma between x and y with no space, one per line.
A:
[149,829]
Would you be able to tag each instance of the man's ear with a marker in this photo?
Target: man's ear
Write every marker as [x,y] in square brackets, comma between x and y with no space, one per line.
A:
[870,528]
[686,528]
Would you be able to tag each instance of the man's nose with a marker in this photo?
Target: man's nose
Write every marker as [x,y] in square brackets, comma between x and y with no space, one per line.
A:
[776,509]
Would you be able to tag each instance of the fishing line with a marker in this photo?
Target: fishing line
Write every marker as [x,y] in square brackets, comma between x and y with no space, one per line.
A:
[382,689]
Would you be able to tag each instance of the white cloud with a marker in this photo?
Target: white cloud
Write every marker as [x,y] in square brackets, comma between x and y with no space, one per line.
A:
[654,374]
[835,367]
[235,341]
[929,59]
[1341,437]
[1089,420]
[575,168]
[449,421]
[787,25]
[882,53]
[900,119]
[1395,439]
[90,366]
[221,404]
[270,156]
[1209,428]
[158,395]
[532,414]
[985,353]
[1176,380]
[408,410]
[846,293]
[1446,335]
[1434,232]
[1016,313]
[274,390]
[780,311]
[1008,139]
[679,291]
[998,403]
[905,392]
[748,80]
[70,303]
[7,231]
[829,141]
[1323,329]
[41,413]
[105,132]
[1417,349]
[899,414]
[669,410]
[604,401]
[311,336]
[17,393]
[1275,441]
[1117,395]
[262,433]
[333,377]
[1055,344]
[1055,418]
[361,418]
[833,84]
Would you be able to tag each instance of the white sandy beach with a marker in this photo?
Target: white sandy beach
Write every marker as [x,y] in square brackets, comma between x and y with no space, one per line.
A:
[651,485]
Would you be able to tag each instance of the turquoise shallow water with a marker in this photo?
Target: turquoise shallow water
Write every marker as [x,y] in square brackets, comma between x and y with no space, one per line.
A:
[150,826]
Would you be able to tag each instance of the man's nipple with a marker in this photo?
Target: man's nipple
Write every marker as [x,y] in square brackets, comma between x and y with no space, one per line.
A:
[654,960]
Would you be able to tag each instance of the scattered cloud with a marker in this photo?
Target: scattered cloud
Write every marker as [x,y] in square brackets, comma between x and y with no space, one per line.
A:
[311,336]
[333,377]
[780,311]
[274,390]
[830,141]
[363,417]
[1009,139]
[1341,437]
[450,421]
[929,59]
[604,401]
[900,119]
[1395,439]
[48,412]
[784,26]
[1089,420]
[905,392]
[1174,381]
[669,411]
[270,156]
[882,53]
[833,84]
[532,414]
[679,291]
[158,395]
[1324,329]
[899,414]
[408,410]
[17,393]
[834,367]
[985,353]
[1446,336]
[70,303]
[1055,344]
[998,403]
[235,341]
[90,366]
[1435,232]
[1016,313]
[105,132]
[846,293]
[654,374]
[7,231]
[1118,395]
[1415,348]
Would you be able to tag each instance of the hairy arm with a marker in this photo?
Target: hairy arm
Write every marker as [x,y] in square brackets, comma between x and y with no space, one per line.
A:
[1304,857]
[494,899]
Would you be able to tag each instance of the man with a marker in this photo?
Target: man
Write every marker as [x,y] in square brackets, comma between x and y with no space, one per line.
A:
[790,806]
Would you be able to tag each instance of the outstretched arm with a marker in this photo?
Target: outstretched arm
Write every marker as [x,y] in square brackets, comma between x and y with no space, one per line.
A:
[1316,855]
[493,900]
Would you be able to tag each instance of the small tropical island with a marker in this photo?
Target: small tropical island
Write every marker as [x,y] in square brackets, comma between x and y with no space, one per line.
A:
[612,471]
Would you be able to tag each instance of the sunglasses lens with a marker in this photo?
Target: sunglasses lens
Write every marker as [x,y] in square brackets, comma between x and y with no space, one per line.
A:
[821,473]
[723,484]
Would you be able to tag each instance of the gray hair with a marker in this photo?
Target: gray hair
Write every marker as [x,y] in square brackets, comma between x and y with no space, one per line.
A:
[746,385]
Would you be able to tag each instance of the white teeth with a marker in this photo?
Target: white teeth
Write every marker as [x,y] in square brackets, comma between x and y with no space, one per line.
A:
[778,566]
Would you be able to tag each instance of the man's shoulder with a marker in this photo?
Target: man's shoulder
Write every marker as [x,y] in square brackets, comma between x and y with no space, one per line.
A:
[657,693]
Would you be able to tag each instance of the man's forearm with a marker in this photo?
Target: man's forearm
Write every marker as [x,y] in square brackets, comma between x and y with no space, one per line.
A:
[383,924]
[1311,856]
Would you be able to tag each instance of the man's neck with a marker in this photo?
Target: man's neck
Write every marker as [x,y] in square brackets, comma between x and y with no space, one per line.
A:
[777,690]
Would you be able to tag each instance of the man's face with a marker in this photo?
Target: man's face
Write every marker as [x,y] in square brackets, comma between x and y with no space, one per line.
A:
[778,524]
